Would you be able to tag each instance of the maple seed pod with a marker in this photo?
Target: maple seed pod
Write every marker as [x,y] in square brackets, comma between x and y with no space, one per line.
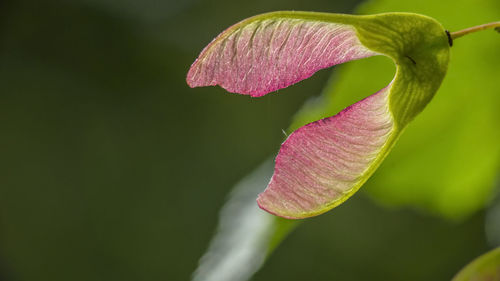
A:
[322,164]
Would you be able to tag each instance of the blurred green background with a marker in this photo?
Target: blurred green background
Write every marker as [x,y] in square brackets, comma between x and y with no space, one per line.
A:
[112,168]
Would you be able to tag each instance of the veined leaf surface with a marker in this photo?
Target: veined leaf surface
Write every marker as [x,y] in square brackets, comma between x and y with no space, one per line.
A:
[321,165]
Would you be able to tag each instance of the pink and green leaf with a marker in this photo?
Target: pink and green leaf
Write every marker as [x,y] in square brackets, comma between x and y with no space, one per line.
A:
[322,164]
[269,52]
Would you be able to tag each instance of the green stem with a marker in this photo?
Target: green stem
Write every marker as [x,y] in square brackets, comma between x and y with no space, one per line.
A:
[458,34]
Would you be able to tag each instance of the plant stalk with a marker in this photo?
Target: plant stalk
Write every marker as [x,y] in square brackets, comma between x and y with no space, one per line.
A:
[458,34]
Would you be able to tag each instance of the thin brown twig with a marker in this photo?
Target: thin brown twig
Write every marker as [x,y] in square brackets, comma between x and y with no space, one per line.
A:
[458,34]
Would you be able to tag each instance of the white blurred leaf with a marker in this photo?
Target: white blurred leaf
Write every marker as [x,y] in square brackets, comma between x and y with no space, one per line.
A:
[245,234]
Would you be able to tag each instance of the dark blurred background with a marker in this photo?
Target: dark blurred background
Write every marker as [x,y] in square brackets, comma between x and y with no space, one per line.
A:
[112,168]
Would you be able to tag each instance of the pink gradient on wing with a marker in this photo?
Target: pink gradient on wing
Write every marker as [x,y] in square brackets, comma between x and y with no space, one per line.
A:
[268,55]
[324,159]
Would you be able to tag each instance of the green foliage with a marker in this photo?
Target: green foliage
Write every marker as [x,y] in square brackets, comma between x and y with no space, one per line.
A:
[419,47]
[485,267]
